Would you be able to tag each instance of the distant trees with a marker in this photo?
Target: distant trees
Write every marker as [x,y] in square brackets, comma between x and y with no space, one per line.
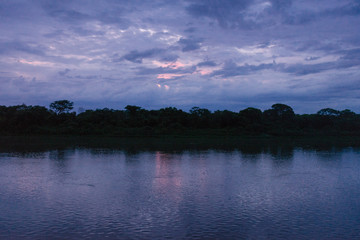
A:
[280,119]
[170,117]
[333,120]
[347,113]
[132,109]
[252,120]
[251,114]
[224,119]
[280,112]
[22,119]
[199,112]
[200,117]
[328,112]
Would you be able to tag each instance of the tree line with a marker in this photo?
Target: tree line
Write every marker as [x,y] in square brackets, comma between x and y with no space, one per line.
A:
[279,120]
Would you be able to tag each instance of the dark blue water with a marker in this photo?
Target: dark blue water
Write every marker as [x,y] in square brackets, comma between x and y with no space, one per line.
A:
[99,193]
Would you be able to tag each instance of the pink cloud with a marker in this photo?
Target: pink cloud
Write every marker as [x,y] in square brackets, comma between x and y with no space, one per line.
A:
[205,71]
[172,65]
[169,75]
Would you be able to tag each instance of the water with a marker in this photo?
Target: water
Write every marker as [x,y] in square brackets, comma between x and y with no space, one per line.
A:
[245,191]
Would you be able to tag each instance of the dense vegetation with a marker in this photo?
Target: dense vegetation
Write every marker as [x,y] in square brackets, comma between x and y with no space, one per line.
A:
[280,120]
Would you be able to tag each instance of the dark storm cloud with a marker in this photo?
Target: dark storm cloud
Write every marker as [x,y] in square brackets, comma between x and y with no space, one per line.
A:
[311,58]
[245,14]
[63,73]
[305,69]
[281,5]
[228,13]
[15,46]
[350,58]
[123,23]
[86,32]
[69,15]
[352,54]
[169,57]
[138,56]
[316,45]
[304,17]
[54,34]
[281,8]
[341,89]
[87,77]
[165,70]
[72,12]
[190,30]
[350,9]
[207,64]
[300,18]
[63,11]
[189,44]
[19,9]
[231,69]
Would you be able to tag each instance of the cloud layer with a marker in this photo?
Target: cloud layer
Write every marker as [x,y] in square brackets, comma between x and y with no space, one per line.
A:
[215,54]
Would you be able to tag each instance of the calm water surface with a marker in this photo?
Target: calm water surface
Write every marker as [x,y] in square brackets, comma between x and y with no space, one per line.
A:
[96,193]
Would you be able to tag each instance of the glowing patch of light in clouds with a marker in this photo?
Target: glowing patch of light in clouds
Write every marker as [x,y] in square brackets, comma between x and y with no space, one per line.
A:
[253,50]
[169,75]
[36,63]
[172,65]
[166,87]
[205,71]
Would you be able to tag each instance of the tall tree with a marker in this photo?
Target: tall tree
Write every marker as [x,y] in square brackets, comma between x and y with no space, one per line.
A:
[61,106]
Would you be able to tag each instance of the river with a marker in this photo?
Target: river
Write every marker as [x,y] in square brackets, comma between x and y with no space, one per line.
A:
[178,190]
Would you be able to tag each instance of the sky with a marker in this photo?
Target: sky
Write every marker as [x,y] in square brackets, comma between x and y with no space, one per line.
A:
[215,54]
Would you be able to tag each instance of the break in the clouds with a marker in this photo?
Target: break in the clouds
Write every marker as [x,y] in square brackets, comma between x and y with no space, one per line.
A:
[214,54]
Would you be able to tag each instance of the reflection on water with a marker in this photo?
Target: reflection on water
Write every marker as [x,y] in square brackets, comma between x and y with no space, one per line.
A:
[269,190]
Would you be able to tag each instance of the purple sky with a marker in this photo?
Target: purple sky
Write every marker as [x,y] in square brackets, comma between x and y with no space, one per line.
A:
[216,54]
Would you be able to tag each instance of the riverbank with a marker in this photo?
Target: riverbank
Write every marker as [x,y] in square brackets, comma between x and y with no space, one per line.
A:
[174,142]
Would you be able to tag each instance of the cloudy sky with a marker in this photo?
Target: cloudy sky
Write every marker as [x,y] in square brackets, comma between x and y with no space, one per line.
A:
[216,54]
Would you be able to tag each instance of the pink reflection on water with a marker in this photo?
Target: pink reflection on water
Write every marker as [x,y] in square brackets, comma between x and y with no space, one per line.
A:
[168,176]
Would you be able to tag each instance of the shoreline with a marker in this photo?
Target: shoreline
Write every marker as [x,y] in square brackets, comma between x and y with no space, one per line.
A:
[250,144]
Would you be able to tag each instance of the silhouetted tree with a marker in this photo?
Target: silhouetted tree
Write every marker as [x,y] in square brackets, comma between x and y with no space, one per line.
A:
[225,119]
[61,106]
[279,119]
[348,121]
[283,110]
[279,112]
[328,112]
[200,112]
[347,114]
[132,109]
[251,114]
[326,119]
[135,116]
[172,117]
[251,120]
[200,117]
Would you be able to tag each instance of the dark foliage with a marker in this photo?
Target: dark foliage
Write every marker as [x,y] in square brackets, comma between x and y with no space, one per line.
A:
[280,120]
[62,106]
